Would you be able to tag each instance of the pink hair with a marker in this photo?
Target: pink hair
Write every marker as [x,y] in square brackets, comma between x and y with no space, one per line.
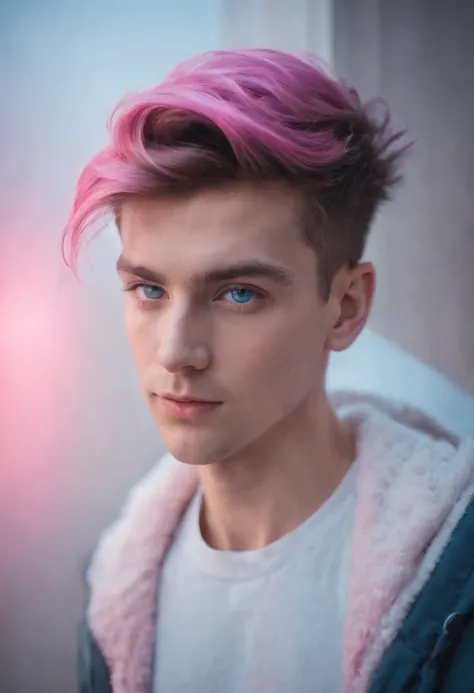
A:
[246,115]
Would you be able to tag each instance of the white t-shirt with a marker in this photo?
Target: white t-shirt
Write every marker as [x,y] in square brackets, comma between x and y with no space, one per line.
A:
[265,621]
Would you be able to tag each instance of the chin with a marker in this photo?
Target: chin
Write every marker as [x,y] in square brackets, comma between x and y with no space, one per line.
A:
[193,458]
[202,446]
[189,450]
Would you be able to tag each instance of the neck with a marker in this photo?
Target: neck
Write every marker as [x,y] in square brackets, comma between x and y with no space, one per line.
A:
[254,499]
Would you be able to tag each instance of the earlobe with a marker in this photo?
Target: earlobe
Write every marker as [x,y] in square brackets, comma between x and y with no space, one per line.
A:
[338,337]
[344,333]
[336,332]
[340,342]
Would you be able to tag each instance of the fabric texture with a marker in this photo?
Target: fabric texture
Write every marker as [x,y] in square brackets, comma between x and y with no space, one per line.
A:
[433,652]
[256,611]
[414,483]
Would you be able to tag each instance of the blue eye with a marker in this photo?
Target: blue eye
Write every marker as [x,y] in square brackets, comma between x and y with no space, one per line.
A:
[150,292]
[241,295]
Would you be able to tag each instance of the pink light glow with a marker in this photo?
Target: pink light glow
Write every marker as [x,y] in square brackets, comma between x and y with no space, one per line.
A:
[39,320]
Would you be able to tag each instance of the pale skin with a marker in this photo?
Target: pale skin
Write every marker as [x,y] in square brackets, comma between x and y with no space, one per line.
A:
[273,451]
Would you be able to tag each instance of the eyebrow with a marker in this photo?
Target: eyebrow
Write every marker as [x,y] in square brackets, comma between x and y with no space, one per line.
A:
[252,268]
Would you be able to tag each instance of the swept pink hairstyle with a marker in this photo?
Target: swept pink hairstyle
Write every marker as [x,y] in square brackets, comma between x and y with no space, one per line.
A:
[245,115]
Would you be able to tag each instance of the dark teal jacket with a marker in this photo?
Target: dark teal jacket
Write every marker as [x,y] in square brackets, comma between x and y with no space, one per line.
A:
[432,653]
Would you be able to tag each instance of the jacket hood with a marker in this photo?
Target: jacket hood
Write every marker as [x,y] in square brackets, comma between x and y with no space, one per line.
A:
[415,479]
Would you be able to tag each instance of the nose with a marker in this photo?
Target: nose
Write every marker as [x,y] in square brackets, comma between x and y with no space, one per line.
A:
[181,343]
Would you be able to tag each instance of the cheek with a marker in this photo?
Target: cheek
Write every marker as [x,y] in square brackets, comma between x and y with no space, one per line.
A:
[278,361]
[139,335]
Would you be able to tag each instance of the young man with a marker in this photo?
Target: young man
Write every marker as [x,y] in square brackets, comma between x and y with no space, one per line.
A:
[289,541]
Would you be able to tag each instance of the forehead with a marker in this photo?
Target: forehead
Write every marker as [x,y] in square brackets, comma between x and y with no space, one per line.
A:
[233,222]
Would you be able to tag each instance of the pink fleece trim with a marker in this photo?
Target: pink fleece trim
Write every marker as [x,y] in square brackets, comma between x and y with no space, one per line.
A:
[404,499]
[412,473]
[125,573]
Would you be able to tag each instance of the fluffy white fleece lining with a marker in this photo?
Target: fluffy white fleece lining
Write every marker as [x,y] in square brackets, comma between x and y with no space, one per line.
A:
[414,482]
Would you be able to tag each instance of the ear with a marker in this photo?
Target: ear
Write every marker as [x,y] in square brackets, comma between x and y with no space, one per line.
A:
[351,299]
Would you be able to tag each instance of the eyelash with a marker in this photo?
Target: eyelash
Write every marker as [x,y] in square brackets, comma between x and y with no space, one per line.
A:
[146,302]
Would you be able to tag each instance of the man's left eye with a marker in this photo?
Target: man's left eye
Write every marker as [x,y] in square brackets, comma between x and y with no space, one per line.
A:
[150,292]
[241,295]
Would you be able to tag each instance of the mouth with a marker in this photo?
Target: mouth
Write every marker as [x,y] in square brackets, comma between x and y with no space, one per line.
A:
[188,399]
[188,407]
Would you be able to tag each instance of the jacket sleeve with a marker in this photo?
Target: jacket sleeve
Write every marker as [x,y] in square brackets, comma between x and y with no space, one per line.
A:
[92,668]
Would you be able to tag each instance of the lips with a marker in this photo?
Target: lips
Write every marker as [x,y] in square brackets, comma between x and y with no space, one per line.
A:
[188,408]
[190,400]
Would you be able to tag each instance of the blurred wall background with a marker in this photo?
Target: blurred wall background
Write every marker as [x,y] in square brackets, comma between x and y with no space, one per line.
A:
[74,433]
[419,56]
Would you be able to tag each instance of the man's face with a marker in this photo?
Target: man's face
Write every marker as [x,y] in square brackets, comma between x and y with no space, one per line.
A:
[254,343]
